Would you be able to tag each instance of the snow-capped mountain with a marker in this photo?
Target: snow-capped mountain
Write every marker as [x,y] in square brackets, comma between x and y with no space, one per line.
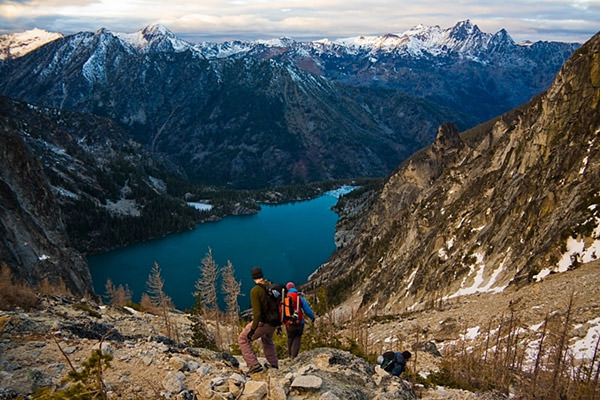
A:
[244,122]
[155,38]
[312,110]
[460,67]
[18,44]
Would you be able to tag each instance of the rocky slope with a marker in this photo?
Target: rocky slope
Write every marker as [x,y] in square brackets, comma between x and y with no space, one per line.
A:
[33,239]
[147,365]
[494,208]
[74,183]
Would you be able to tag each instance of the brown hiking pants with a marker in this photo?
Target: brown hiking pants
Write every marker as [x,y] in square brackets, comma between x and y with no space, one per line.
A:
[265,333]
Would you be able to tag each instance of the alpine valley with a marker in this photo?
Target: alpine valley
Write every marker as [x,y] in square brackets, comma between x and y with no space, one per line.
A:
[267,113]
[490,205]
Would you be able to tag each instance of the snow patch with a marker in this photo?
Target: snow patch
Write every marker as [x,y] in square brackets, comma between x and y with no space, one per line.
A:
[536,326]
[478,285]
[577,252]
[158,184]
[200,206]
[64,192]
[131,310]
[583,349]
[411,280]
[472,334]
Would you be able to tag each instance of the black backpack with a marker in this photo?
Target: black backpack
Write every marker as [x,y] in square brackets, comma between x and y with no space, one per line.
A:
[275,294]
[388,361]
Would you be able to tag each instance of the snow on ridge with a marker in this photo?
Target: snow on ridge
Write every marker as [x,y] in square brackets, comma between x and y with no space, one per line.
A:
[426,39]
[143,39]
[94,68]
[223,50]
[18,44]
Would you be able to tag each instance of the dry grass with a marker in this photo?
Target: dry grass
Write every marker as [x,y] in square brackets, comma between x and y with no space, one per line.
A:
[15,293]
[53,288]
[502,362]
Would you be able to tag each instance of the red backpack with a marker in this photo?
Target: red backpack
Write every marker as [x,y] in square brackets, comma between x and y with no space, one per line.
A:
[292,309]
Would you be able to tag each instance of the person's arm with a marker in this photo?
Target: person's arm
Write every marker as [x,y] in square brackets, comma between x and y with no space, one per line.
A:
[306,308]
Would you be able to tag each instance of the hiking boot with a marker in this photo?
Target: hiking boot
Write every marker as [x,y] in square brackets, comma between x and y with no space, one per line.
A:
[267,366]
[255,369]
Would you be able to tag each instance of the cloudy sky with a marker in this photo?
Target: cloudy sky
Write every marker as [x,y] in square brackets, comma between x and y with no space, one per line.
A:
[562,20]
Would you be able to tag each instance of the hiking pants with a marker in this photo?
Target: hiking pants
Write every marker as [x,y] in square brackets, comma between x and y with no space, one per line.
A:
[265,333]
[294,336]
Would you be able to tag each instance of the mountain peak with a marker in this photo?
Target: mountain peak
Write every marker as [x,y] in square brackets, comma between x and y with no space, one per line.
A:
[156,30]
[155,37]
[447,137]
[463,29]
[102,31]
[15,45]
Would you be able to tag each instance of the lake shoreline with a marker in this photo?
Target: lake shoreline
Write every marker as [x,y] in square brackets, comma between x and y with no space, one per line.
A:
[289,241]
[239,202]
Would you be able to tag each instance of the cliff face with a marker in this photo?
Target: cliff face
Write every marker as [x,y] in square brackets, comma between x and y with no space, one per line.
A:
[32,233]
[502,204]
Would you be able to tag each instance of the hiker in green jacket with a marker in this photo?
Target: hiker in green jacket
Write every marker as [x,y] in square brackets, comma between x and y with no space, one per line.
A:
[259,328]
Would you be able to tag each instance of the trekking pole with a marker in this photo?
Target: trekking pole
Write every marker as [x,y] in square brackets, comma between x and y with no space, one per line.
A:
[282,306]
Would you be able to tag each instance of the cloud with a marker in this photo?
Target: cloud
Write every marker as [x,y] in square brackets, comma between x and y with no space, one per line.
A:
[574,20]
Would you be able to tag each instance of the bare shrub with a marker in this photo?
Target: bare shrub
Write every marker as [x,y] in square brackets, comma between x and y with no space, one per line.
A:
[553,371]
[232,289]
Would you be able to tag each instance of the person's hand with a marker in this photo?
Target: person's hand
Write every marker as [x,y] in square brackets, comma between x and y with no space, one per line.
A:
[250,334]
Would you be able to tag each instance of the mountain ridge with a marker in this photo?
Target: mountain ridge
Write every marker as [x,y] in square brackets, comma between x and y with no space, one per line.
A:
[245,123]
[301,98]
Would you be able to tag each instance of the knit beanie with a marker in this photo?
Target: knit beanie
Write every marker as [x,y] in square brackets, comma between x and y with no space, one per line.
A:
[256,273]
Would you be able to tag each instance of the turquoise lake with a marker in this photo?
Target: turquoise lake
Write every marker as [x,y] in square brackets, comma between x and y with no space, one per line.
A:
[289,242]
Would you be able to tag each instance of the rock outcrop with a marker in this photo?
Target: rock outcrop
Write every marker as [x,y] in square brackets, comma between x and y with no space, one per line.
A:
[37,347]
